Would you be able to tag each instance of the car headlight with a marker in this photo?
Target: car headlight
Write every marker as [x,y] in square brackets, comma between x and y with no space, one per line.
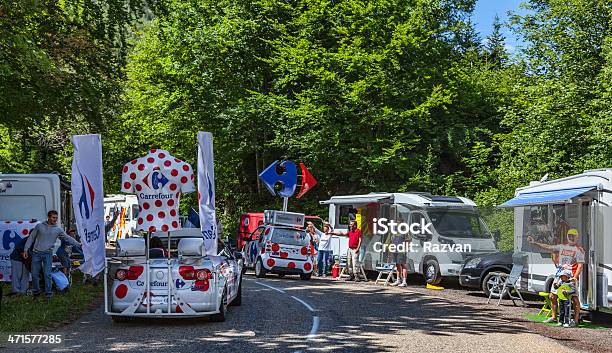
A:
[473,262]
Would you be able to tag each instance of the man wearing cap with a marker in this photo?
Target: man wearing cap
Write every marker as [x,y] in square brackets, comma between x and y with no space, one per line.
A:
[571,257]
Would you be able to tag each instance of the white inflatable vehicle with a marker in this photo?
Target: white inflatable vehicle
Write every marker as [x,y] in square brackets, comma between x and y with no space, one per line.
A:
[179,282]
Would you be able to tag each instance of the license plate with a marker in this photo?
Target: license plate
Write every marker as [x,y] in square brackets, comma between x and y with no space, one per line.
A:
[158,300]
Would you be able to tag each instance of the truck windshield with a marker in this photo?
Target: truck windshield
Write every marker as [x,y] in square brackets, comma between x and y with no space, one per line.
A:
[290,237]
[22,207]
[451,223]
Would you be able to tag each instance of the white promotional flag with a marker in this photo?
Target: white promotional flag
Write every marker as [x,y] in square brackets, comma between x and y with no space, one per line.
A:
[206,192]
[88,200]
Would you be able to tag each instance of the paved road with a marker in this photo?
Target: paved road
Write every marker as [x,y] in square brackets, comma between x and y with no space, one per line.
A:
[289,315]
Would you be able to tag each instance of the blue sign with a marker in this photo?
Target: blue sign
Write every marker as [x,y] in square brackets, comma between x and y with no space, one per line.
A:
[280,178]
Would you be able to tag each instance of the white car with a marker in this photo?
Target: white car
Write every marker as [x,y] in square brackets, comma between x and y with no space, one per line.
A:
[279,249]
[182,281]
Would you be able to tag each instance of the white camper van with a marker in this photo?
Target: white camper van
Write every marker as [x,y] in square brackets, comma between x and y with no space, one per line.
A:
[545,212]
[457,230]
[24,200]
[126,207]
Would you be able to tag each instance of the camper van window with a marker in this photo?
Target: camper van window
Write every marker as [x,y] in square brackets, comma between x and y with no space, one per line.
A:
[458,224]
[289,237]
[134,212]
[346,213]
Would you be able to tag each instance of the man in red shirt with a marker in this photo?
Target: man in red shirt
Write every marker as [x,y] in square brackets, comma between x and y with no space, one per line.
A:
[354,244]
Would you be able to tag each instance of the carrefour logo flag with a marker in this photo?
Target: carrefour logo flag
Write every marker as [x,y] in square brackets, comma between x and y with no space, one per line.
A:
[88,200]
[206,192]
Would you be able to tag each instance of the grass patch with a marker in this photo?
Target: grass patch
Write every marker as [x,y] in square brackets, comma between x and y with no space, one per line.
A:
[583,324]
[26,314]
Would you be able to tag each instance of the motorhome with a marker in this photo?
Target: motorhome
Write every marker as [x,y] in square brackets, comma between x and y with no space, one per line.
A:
[456,230]
[545,212]
[25,200]
[124,209]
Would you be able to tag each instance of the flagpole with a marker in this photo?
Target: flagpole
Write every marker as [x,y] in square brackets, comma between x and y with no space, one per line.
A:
[285,203]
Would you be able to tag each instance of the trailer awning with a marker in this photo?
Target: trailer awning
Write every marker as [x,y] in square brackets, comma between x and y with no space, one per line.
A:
[545,197]
[356,199]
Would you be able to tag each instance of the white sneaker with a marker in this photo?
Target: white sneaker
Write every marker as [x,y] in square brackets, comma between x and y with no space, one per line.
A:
[396,283]
[559,324]
[549,320]
[566,325]
[403,284]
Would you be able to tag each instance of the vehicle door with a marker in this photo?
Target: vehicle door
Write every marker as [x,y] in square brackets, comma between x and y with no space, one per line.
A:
[229,269]
[251,247]
[416,255]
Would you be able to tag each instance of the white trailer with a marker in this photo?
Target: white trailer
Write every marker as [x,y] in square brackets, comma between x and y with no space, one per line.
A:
[546,210]
[456,225]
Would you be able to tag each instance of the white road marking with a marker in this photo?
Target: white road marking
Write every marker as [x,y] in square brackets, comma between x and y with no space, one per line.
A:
[304,303]
[315,319]
[273,288]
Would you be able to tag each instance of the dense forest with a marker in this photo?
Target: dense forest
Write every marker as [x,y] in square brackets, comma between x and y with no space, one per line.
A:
[379,95]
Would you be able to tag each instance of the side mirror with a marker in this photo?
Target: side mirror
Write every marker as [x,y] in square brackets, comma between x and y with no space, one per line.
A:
[238,255]
[496,235]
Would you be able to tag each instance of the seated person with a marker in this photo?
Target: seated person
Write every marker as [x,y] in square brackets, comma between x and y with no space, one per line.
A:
[157,248]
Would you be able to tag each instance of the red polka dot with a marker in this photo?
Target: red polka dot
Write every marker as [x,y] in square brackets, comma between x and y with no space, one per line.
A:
[138,187]
[177,160]
[174,172]
[186,167]
[25,232]
[133,161]
[150,159]
[167,163]
[178,195]
[173,213]
[173,187]
[162,155]
[141,167]
[171,202]
[146,205]
[140,220]
[149,217]
[32,221]
[19,222]
[152,229]
[133,176]
[184,179]
[199,196]
[165,228]
[161,214]
[125,168]
[153,150]
[127,185]
[158,203]
[7,222]
[174,224]
[191,176]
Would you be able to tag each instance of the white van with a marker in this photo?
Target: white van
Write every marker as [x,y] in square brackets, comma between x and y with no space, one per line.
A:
[457,229]
[27,197]
[546,210]
[126,205]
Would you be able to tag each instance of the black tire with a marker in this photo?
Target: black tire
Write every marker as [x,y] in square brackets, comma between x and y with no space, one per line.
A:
[431,271]
[305,276]
[220,317]
[120,319]
[238,300]
[489,281]
[260,270]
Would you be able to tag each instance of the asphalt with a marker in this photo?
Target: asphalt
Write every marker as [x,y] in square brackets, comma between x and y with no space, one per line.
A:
[290,315]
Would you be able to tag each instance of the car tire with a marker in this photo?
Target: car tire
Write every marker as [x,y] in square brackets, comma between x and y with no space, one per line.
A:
[120,319]
[260,270]
[220,316]
[238,300]
[488,282]
[305,276]
[431,271]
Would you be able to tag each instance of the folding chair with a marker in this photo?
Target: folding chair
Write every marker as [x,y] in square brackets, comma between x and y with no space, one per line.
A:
[388,269]
[508,282]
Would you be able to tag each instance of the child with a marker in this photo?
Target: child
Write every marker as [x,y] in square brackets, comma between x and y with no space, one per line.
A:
[565,288]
